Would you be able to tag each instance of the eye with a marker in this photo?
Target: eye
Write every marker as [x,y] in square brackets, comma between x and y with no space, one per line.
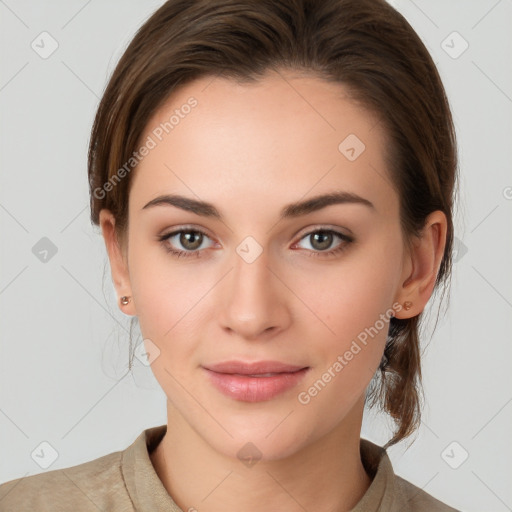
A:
[191,240]
[322,239]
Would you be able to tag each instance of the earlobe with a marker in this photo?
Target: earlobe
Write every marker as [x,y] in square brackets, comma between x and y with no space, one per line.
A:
[118,262]
[426,255]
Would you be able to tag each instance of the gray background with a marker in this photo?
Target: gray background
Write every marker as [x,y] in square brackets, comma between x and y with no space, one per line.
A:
[64,344]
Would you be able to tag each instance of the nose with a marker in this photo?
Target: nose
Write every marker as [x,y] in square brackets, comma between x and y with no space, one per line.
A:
[253,301]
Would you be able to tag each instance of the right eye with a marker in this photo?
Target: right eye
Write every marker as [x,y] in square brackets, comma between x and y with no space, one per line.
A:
[190,240]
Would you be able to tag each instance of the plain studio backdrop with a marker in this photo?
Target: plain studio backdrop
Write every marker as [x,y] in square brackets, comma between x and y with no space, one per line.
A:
[64,386]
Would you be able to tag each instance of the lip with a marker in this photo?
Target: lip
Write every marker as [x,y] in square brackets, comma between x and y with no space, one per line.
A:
[252,368]
[254,381]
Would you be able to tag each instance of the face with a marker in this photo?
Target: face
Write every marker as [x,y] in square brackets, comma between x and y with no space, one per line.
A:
[309,288]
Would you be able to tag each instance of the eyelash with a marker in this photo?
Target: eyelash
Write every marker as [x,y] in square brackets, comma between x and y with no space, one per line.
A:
[197,254]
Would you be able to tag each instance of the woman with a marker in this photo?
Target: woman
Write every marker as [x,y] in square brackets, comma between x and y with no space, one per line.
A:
[234,140]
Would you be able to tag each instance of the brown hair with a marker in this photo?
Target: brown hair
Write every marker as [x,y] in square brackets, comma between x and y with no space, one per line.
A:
[367,46]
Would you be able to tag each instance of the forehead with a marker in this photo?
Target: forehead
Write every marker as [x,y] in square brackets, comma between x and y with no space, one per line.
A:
[276,140]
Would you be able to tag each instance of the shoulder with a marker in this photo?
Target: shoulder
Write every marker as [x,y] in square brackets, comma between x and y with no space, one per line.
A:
[90,486]
[415,499]
[390,491]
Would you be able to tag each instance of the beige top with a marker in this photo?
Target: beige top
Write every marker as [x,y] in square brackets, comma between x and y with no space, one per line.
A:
[125,481]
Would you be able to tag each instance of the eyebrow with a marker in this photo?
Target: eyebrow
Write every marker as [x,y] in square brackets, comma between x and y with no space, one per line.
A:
[292,210]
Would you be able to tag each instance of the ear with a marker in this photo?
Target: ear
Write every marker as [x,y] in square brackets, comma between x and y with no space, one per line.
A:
[118,261]
[423,261]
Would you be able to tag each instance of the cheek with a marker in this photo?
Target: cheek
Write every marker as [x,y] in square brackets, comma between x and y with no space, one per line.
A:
[347,354]
[354,302]
[153,291]
[162,290]
[170,297]
[350,295]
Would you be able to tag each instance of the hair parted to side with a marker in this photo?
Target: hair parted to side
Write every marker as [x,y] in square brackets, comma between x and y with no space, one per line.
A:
[365,45]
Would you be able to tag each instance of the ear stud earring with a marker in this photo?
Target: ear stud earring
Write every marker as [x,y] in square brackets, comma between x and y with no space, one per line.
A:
[407,305]
[124,300]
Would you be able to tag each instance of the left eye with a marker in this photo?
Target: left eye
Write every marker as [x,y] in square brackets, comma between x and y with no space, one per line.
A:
[322,240]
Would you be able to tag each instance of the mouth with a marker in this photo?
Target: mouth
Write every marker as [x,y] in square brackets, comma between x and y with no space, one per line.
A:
[254,382]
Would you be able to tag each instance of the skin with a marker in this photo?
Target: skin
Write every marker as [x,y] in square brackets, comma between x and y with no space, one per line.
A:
[250,150]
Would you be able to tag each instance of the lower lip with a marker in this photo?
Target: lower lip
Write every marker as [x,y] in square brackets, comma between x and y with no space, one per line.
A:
[255,389]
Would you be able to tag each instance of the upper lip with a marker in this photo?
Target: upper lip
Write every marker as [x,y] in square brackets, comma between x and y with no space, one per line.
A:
[253,368]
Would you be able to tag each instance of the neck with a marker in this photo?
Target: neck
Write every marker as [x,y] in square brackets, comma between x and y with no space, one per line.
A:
[326,476]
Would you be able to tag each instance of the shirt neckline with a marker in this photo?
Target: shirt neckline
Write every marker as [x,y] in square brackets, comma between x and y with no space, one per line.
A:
[147,491]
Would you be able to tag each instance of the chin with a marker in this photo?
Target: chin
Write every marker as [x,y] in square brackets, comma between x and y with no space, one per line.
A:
[267,439]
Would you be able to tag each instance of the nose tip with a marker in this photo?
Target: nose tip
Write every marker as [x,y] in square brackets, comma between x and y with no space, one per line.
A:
[253,307]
